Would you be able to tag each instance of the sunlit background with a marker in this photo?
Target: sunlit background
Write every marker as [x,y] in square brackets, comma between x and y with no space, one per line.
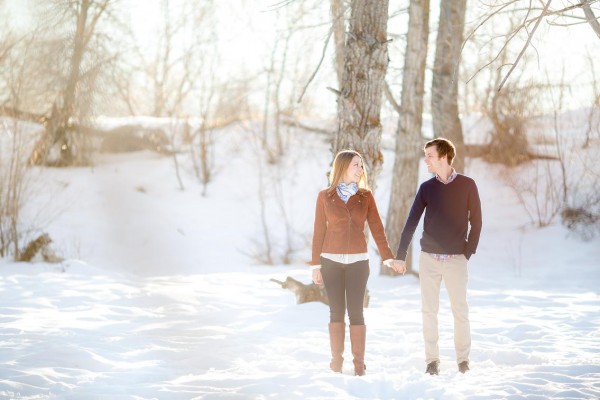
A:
[154,198]
[250,45]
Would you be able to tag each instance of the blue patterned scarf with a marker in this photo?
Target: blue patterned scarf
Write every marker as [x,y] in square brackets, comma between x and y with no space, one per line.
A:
[346,191]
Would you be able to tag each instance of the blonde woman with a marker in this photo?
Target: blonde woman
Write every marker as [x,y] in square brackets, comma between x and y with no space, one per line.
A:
[340,258]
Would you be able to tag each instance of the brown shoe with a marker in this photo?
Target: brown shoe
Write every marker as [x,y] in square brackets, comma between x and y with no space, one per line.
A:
[358,336]
[433,368]
[337,335]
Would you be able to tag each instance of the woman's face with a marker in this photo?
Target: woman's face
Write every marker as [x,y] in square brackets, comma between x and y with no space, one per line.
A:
[354,171]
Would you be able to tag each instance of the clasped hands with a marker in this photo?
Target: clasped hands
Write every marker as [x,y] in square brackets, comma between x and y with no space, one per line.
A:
[399,266]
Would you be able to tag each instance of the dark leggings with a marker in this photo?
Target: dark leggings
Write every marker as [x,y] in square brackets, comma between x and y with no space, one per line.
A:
[345,283]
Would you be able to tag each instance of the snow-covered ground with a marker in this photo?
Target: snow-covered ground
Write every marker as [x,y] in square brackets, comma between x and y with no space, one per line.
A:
[161,297]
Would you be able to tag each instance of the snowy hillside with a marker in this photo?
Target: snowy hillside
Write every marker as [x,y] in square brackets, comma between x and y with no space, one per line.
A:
[163,296]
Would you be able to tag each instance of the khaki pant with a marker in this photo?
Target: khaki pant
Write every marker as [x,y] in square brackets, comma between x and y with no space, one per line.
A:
[455,275]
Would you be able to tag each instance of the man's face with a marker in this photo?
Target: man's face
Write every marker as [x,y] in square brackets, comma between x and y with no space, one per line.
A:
[434,163]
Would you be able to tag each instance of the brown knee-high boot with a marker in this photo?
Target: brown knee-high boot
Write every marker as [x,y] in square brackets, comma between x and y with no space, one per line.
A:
[337,334]
[358,336]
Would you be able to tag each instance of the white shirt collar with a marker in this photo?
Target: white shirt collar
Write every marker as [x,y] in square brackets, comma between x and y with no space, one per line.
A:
[450,178]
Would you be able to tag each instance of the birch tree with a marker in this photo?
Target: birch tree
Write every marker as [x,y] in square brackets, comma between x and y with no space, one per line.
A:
[405,175]
[360,97]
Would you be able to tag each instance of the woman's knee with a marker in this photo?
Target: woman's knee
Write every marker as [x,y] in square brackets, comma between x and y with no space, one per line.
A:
[356,314]
[356,319]
[336,317]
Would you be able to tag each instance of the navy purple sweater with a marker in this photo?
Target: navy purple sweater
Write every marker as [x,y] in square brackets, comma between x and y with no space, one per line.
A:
[449,210]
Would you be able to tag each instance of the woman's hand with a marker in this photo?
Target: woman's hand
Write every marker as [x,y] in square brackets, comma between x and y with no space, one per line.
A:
[399,266]
[317,277]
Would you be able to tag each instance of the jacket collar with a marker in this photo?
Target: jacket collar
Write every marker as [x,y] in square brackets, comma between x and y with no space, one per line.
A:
[352,201]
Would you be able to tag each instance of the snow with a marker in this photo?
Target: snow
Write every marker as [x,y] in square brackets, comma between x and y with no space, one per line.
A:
[161,295]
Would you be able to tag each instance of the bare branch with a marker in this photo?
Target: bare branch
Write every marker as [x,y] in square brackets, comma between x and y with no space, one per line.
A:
[530,36]
[490,16]
[390,97]
[591,18]
[318,65]
[281,4]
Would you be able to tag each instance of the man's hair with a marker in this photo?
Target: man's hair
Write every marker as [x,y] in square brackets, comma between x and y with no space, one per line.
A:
[444,147]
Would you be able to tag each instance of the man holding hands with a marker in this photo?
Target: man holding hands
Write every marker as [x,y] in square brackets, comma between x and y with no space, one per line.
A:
[451,232]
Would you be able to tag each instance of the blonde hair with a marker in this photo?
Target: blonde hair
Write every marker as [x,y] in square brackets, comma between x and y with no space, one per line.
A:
[341,162]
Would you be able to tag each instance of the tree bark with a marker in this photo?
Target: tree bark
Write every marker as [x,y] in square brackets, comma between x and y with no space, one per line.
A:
[405,175]
[444,89]
[359,103]
[338,24]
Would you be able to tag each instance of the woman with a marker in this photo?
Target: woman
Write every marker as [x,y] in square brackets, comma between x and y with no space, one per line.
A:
[340,258]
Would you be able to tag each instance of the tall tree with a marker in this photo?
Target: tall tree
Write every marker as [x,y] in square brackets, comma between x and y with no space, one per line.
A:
[338,25]
[181,56]
[409,139]
[80,70]
[444,88]
[365,65]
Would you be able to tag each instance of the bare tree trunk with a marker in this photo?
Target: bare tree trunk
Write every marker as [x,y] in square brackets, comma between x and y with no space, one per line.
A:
[359,103]
[162,63]
[271,156]
[63,109]
[338,24]
[593,119]
[306,293]
[590,17]
[444,88]
[59,119]
[405,175]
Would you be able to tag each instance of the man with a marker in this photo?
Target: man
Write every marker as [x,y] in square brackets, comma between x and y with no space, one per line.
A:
[451,203]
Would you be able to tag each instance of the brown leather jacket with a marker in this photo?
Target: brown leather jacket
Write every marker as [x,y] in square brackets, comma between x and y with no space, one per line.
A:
[340,228]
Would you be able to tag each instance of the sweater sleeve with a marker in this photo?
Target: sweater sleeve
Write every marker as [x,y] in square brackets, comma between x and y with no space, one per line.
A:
[377,230]
[320,228]
[475,220]
[412,221]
